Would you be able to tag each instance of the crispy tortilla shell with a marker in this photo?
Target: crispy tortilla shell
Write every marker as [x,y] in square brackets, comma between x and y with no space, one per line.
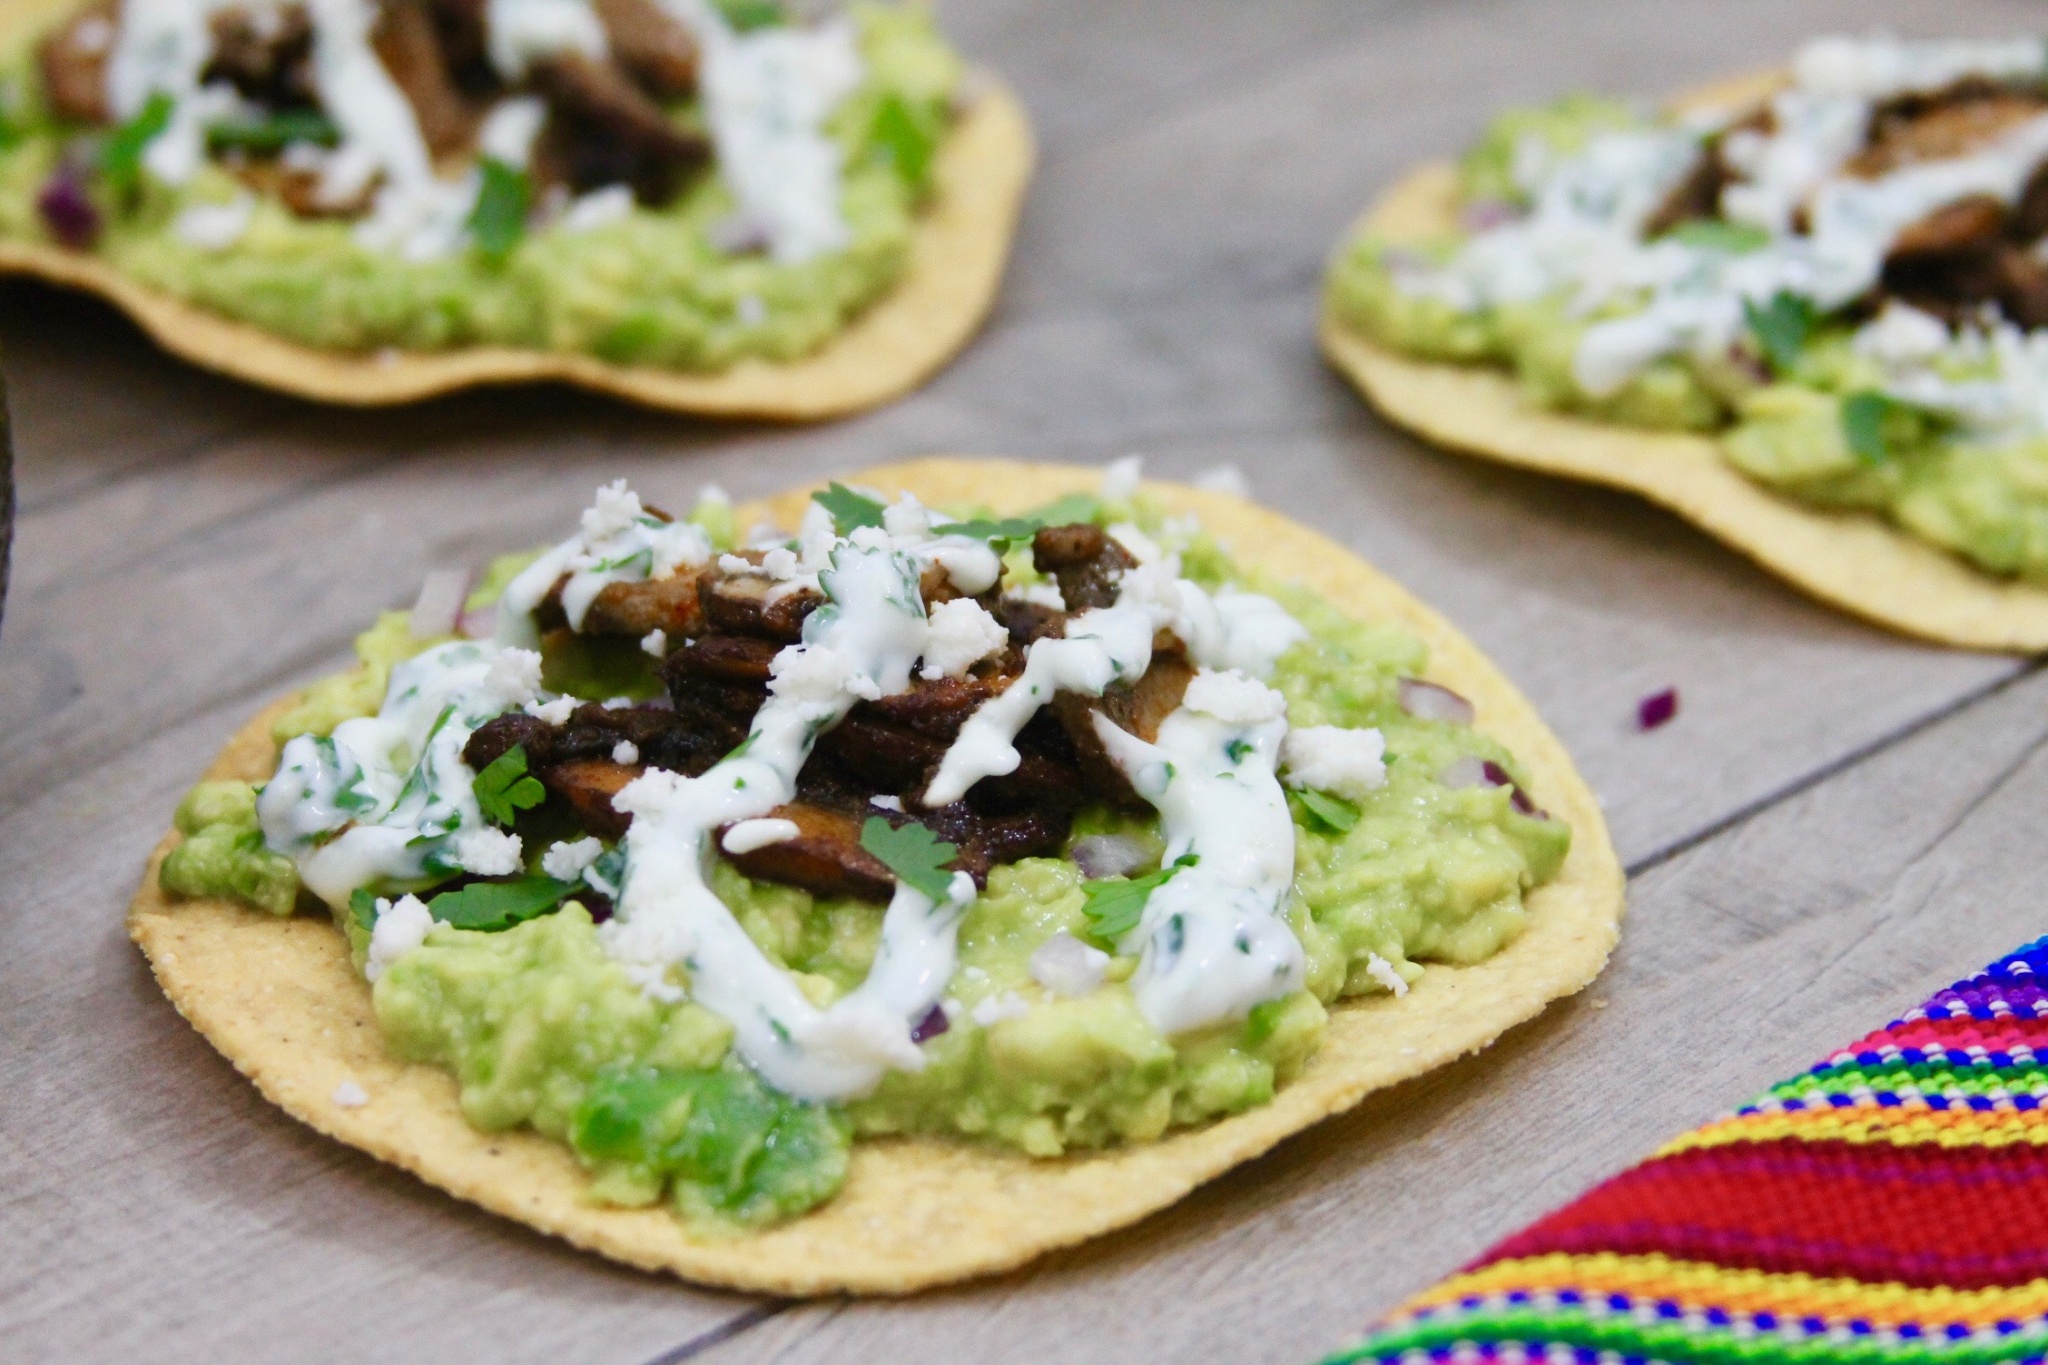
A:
[279,999]
[958,248]
[1853,560]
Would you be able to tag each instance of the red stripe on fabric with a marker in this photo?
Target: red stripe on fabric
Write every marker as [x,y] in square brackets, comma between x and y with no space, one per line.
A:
[1993,1035]
[1926,1215]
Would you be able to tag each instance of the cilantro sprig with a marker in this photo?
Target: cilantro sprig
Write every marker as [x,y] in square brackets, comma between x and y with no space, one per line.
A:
[486,906]
[1782,327]
[906,140]
[1712,234]
[504,788]
[499,219]
[1878,427]
[1333,813]
[1008,531]
[273,132]
[120,157]
[912,852]
[850,510]
[1114,905]
[491,906]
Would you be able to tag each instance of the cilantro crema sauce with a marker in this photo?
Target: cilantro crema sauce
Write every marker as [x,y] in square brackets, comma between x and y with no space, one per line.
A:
[387,800]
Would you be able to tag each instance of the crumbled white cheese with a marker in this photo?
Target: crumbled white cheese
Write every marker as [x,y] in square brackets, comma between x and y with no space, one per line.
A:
[521,32]
[1224,478]
[1143,548]
[1329,758]
[907,519]
[514,677]
[487,852]
[215,227]
[616,508]
[1046,594]
[554,712]
[894,803]
[1234,699]
[508,131]
[598,209]
[349,1095]
[626,752]
[817,674]
[962,635]
[1066,966]
[739,566]
[401,927]
[1120,480]
[655,642]
[996,1008]
[779,563]
[566,861]
[748,835]
[1382,971]
[1902,335]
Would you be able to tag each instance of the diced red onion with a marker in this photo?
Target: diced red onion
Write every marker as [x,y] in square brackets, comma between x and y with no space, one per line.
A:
[67,209]
[1484,772]
[1482,214]
[1659,708]
[1111,855]
[1427,701]
[438,608]
[480,624]
[931,1026]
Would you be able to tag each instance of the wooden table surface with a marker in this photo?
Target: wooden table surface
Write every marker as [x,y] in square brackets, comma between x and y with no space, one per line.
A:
[1837,822]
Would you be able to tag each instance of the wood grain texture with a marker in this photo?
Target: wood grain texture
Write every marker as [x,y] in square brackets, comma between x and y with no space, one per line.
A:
[188,547]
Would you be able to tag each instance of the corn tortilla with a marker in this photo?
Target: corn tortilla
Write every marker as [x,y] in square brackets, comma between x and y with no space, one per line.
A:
[277,996]
[958,248]
[1853,560]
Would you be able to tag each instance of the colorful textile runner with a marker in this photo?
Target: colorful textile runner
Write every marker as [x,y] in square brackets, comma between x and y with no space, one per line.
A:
[1890,1205]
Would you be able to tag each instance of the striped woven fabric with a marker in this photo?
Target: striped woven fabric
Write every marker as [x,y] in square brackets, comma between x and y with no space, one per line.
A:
[1890,1205]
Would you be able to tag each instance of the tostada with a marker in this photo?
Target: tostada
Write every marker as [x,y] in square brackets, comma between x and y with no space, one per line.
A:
[715,205]
[1806,311]
[851,895]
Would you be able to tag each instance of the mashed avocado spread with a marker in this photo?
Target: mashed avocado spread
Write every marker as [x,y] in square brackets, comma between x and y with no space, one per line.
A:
[683,282]
[1056,1016]
[1846,284]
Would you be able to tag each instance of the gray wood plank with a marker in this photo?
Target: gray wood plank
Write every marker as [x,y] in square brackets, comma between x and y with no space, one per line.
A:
[1743,960]
[190,546]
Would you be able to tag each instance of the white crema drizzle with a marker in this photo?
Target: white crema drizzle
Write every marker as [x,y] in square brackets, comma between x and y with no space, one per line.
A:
[1582,235]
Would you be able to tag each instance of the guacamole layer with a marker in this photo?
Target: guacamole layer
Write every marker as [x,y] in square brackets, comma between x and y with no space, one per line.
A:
[1802,410]
[541,1028]
[652,288]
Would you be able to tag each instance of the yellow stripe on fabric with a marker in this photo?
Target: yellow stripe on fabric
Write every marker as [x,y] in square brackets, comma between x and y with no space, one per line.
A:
[1699,1285]
[1900,1125]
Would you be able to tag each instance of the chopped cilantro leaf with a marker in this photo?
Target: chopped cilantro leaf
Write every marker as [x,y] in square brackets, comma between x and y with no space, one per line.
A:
[850,510]
[272,133]
[1714,235]
[491,906]
[1115,904]
[1334,813]
[503,788]
[1878,426]
[1073,507]
[120,156]
[499,219]
[916,855]
[747,15]
[905,139]
[363,905]
[1781,327]
[1009,530]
